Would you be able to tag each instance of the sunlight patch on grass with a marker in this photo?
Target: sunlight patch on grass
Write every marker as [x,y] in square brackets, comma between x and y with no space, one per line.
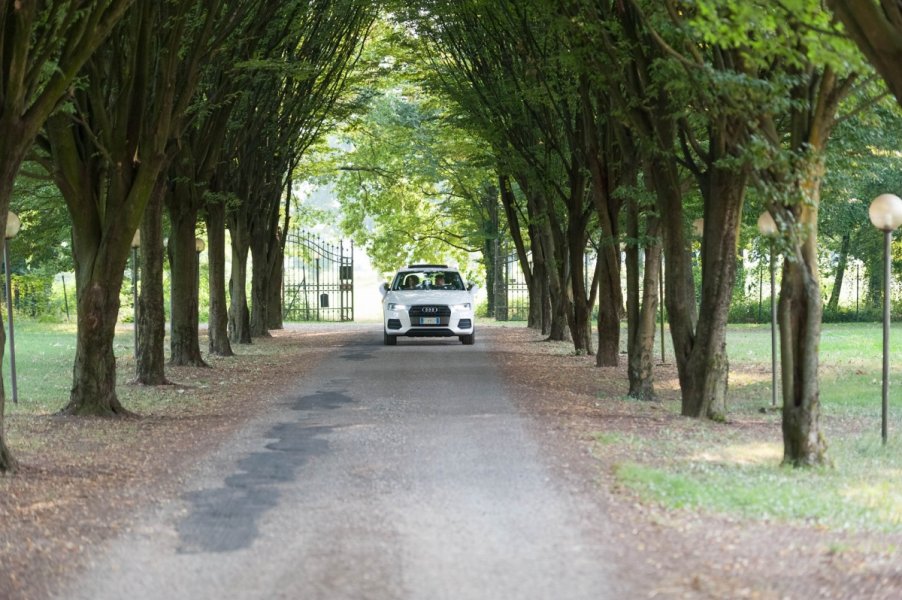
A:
[882,497]
[756,493]
[758,453]
[862,492]
[739,378]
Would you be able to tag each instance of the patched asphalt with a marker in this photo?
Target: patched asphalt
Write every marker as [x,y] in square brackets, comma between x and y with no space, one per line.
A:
[393,472]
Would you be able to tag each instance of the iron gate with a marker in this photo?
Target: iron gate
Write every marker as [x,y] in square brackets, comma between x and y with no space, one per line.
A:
[512,295]
[318,279]
[512,292]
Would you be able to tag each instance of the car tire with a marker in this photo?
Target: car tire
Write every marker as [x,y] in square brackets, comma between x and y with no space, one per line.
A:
[468,340]
[390,340]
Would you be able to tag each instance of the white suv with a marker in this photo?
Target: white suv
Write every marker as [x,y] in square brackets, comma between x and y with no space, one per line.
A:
[428,301]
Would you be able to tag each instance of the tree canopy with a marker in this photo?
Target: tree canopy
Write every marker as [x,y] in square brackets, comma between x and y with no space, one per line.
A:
[574,136]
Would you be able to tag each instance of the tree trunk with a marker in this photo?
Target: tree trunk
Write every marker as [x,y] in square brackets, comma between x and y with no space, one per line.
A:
[559,296]
[874,283]
[549,270]
[707,369]
[262,223]
[642,346]
[8,462]
[10,162]
[492,251]
[641,312]
[98,281]
[501,302]
[239,316]
[218,329]
[274,303]
[609,306]
[607,208]
[540,292]
[875,28]
[151,321]
[558,269]
[580,317]
[184,342]
[679,296]
[633,300]
[800,312]
[101,243]
[699,338]
[554,254]
[574,240]
[845,246]
[261,248]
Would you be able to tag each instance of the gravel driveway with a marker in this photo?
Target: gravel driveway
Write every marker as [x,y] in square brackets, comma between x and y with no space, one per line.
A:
[392,472]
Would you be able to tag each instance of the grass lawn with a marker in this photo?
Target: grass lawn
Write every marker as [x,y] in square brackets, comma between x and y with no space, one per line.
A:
[734,469]
[44,358]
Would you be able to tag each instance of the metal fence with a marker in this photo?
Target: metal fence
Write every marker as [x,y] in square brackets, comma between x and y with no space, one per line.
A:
[512,293]
[318,279]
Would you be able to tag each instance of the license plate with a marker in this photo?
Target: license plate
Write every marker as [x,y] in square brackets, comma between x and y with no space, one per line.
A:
[429,321]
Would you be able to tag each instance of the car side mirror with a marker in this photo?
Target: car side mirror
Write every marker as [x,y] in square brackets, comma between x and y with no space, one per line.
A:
[383,289]
[472,288]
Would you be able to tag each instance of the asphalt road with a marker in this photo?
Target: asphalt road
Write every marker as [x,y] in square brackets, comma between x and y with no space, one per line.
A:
[393,472]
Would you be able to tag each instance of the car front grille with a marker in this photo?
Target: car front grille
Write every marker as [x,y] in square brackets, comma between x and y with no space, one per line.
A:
[430,310]
[420,313]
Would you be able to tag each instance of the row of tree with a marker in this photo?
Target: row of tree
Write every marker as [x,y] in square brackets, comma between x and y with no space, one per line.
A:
[592,122]
[189,107]
[612,121]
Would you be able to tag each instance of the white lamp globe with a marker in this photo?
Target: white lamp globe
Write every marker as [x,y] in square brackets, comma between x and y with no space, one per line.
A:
[199,245]
[12,225]
[766,224]
[886,212]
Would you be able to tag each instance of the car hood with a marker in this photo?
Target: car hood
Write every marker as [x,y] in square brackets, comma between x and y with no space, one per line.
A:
[412,297]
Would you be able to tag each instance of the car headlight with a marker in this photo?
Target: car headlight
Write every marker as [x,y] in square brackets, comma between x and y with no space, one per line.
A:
[395,306]
[465,306]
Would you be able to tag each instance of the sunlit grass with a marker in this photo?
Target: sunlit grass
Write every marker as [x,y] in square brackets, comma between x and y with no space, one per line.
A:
[736,469]
[755,453]
[863,490]
[44,360]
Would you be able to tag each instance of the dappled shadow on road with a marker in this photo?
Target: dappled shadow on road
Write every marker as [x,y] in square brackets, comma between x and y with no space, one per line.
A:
[225,519]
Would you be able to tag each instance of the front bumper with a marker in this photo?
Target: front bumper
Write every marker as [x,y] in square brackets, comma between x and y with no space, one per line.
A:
[445,323]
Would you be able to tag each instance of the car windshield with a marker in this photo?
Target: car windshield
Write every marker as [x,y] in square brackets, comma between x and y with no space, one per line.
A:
[427,280]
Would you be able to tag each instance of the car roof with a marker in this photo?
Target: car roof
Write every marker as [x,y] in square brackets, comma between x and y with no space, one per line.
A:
[418,268]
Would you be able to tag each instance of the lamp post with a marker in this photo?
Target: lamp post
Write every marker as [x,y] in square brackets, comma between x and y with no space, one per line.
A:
[661,301]
[136,242]
[65,247]
[698,227]
[199,247]
[768,228]
[698,230]
[886,215]
[318,302]
[12,228]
